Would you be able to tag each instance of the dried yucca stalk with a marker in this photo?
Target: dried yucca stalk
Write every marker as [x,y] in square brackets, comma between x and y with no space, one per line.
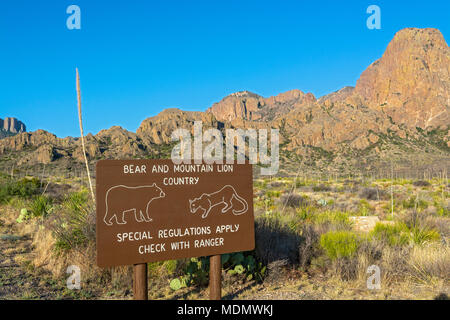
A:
[82,135]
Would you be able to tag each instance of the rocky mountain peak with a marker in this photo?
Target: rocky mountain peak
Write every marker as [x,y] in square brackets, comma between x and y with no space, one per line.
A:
[12,125]
[411,81]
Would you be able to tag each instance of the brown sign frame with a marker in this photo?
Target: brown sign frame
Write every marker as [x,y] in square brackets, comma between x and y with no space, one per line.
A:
[145,207]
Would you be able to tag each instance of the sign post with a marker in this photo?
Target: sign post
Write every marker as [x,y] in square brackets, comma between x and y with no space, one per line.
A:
[140,282]
[215,277]
[156,210]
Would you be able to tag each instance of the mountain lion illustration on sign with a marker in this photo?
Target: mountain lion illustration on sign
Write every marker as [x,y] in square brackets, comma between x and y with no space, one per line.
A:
[209,200]
[116,207]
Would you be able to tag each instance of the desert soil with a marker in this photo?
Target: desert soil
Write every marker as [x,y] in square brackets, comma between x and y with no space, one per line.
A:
[18,278]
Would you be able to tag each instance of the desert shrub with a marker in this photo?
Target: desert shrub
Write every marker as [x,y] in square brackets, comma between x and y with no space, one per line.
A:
[41,206]
[195,273]
[276,184]
[24,215]
[339,244]
[415,203]
[57,191]
[24,188]
[275,271]
[346,268]
[300,183]
[304,214]
[261,184]
[421,183]
[321,188]
[74,225]
[244,265]
[394,264]
[440,224]
[373,194]
[309,245]
[273,194]
[401,182]
[275,240]
[394,235]
[413,218]
[371,249]
[294,200]
[421,235]
[364,208]
[443,211]
[159,268]
[322,202]
[335,220]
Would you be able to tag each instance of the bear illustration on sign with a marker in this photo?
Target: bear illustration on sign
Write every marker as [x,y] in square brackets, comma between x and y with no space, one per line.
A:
[224,196]
[121,200]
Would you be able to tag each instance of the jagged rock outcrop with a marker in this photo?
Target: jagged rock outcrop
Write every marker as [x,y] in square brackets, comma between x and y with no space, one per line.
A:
[158,129]
[12,125]
[340,95]
[245,105]
[411,81]
[240,105]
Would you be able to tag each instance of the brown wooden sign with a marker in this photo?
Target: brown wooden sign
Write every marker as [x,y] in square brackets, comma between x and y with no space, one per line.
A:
[154,210]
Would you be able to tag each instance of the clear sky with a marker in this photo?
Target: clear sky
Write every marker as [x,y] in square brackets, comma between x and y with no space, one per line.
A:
[137,57]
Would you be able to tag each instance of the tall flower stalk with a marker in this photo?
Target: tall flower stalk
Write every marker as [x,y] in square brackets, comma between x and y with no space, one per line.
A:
[82,135]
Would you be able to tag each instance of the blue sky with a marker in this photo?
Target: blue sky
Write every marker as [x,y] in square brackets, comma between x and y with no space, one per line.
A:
[138,57]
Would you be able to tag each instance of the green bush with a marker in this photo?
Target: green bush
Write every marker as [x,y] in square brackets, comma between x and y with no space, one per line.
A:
[23,216]
[364,208]
[74,226]
[339,244]
[240,264]
[41,206]
[158,268]
[394,235]
[338,219]
[321,188]
[273,194]
[305,213]
[413,202]
[424,235]
[443,211]
[24,188]
[196,272]
[299,183]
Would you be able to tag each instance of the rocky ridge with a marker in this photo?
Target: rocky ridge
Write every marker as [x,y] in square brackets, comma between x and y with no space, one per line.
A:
[398,108]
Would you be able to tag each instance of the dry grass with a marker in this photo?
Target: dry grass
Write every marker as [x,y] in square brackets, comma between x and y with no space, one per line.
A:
[428,262]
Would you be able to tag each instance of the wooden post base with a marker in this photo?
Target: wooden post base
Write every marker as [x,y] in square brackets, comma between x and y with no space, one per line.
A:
[215,278]
[140,283]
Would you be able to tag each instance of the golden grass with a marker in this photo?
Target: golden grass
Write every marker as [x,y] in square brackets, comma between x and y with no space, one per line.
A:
[431,261]
[46,257]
